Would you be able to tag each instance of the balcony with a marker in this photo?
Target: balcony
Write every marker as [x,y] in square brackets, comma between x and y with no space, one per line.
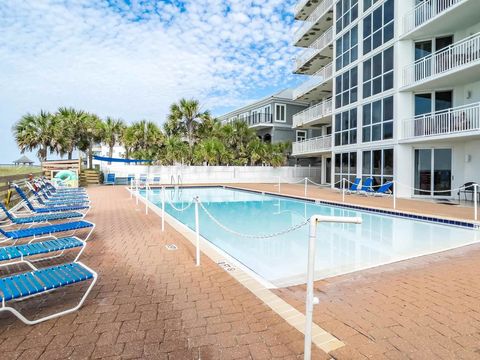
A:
[456,64]
[456,122]
[433,17]
[317,22]
[319,54]
[304,8]
[319,85]
[320,113]
[313,147]
[259,120]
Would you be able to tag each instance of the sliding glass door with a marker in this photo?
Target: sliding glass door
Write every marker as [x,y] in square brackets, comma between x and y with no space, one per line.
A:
[433,172]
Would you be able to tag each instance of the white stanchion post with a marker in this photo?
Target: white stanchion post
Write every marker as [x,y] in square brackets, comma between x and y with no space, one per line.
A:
[197,233]
[394,194]
[306,179]
[137,192]
[343,190]
[475,192]
[163,208]
[146,198]
[310,299]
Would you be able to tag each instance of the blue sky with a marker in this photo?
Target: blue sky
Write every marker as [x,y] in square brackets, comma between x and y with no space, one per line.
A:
[132,59]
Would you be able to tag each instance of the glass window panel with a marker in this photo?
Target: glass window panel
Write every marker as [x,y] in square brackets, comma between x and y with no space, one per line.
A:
[388,59]
[388,81]
[366,114]
[388,130]
[388,108]
[377,132]
[377,39]
[388,32]
[353,163]
[377,111]
[388,11]
[377,65]
[367,89]
[367,26]
[377,86]
[377,162]
[377,19]
[353,136]
[366,134]
[388,162]
[353,118]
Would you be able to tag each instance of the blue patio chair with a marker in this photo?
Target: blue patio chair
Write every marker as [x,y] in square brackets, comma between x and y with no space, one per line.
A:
[71,200]
[28,204]
[110,180]
[354,186]
[47,195]
[46,231]
[156,179]
[37,282]
[367,186]
[53,189]
[40,251]
[21,220]
[384,190]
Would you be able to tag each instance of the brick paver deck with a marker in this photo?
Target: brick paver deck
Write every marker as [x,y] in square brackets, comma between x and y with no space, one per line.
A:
[154,303]
[150,302]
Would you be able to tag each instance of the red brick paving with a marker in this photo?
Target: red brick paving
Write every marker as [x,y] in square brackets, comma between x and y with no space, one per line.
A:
[149,302]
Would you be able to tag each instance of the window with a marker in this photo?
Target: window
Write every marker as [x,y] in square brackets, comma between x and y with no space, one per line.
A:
[280,113]
[346,88]
[378,73]
[345,167]
[367,4]
[346,12]
[378,27]
[378,164]
[346,127]
[301,135]
[378,120]
[347,48]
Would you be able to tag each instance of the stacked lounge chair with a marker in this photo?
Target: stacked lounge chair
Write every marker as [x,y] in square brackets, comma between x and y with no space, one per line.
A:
[32,232]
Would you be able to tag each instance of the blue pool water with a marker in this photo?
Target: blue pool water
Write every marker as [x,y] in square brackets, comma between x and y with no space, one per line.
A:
[281,260]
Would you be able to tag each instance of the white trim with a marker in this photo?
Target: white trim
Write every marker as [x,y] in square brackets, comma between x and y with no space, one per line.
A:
[304,137]
[284,113]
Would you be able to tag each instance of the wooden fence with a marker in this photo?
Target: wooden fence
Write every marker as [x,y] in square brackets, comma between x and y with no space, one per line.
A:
[5,182]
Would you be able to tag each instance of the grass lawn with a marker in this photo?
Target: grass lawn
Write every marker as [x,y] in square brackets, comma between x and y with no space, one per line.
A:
[17,170]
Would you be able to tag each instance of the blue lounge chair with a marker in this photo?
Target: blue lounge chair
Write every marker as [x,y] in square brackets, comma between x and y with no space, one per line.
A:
[53,189]
[384,190]
[156,180]
[28,204]
[354,186]
[110,180]
[45,231]
[21,220]
[367,186]
[37,282]
[58,201]
[47,195]
[19,253]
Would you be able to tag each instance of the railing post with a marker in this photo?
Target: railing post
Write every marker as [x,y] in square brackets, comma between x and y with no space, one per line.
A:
[310,299]
[343,189]
[475,193]
[306,184]
[394,194]
[197,233]
[136,192]
[146,198]
[163,208]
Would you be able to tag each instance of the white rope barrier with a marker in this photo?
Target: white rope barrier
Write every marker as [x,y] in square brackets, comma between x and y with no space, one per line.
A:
[252,236]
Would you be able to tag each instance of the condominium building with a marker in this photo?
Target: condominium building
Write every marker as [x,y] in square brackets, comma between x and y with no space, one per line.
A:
[271,118]
[398,82]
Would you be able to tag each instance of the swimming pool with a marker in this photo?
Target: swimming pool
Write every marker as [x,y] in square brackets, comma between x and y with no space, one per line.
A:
[281,260]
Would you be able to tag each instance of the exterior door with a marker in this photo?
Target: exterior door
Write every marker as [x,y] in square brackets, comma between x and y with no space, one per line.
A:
[328,170]
[433,172]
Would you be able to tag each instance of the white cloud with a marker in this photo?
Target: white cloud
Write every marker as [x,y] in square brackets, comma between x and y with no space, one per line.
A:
[133,60]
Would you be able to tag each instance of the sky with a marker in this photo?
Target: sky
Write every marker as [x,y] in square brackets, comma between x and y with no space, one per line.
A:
[131,59]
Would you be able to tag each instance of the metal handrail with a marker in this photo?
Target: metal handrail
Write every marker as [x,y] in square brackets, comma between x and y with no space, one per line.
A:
[321,76]
[451,57]
[426,11]
[321,43]
[312,19]
[312,113]
[319,143]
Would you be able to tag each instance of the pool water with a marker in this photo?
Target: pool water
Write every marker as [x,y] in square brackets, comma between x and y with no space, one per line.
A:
[281,260]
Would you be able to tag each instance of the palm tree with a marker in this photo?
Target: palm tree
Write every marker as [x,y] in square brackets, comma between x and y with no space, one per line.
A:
[174,151]
[256,150]
[188,113]
[142,137]
[90,134]
[112,133]
[69,124]
[35,132]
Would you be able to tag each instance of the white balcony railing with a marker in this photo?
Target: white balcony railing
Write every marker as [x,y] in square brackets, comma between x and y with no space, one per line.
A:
[313,145]
[316,15]
[299,6]
[452,57]
[425,11]
[319,44]
[446,122]
[313,113]
[322,75]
